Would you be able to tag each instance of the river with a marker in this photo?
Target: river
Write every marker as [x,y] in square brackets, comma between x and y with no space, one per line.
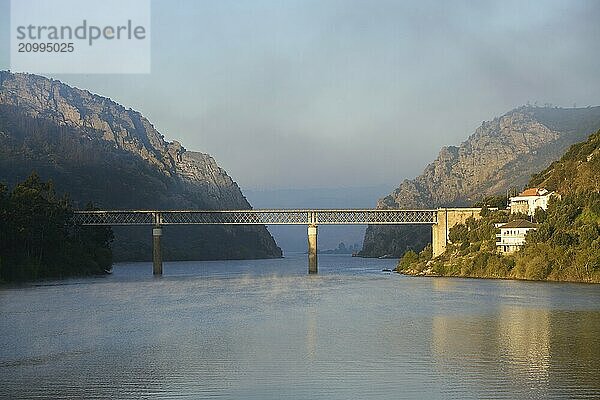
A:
[266,330]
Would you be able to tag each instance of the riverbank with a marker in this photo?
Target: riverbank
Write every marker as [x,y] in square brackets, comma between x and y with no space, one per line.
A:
[429,272]
[564,247]
[487,264]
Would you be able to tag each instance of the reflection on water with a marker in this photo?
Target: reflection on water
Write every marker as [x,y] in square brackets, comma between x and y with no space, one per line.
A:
[525,336]
[513,345]
[311,334]
[267,330]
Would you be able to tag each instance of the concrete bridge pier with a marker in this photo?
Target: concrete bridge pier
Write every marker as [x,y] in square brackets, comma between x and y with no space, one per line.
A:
[312,249]
[446,219]
[156,253]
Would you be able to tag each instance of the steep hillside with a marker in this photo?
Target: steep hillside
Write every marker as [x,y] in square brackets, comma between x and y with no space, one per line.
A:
[501,154]
[99,151]
[565,246]
[577,171]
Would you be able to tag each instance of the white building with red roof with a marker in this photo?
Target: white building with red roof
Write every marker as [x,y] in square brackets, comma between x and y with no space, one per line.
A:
[530,200]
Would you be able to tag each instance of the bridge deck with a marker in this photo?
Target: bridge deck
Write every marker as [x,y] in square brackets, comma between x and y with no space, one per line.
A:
[256,217]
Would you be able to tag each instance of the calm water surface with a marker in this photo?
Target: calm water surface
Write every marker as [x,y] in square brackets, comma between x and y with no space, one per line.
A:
[266,330]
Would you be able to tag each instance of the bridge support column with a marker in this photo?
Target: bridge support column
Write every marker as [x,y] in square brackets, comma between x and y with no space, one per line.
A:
[446,219]
[156,253]
[439,233]
[312,249]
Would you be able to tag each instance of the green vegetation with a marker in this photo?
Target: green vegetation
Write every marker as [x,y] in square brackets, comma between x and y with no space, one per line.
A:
[578,171]
[38,238]
[471,254]
[499,201]
[411,261]
[565,247]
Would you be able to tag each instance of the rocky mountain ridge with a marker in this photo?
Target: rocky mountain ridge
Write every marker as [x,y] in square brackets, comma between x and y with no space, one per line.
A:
[126,129]
[99,151]
[501,154]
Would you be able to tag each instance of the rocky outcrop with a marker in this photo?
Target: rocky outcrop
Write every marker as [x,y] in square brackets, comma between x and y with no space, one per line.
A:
[500,155]
[98,150]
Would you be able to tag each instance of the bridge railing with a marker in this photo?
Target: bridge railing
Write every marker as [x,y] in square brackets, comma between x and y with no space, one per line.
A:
[255,217]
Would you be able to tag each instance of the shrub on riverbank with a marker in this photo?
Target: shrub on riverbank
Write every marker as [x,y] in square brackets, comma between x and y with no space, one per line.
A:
[38,238]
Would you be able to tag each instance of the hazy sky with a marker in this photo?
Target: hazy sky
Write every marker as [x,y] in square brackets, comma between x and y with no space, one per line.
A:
[348,93]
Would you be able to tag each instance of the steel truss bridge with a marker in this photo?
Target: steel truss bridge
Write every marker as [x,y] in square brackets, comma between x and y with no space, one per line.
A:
[257,217]
[312,218]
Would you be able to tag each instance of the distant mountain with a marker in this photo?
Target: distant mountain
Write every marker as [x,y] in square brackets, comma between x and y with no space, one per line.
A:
[501,154]
[97,150]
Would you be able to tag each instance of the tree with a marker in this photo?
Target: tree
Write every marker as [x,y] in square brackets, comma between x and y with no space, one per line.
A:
[40,240]
[499,201]
[459,233]
[408,260]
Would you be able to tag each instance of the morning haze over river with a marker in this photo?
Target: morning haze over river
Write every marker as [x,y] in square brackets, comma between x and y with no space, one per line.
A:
[267,330]
[333,199]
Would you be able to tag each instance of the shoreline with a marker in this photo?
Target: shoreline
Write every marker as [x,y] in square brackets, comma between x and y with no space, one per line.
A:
[431,274]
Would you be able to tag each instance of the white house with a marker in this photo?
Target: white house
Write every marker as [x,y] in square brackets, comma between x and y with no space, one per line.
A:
[512,235]
[530,200]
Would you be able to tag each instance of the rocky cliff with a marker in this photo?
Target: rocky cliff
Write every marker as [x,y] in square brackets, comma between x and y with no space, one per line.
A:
[503,153]
[100,151]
